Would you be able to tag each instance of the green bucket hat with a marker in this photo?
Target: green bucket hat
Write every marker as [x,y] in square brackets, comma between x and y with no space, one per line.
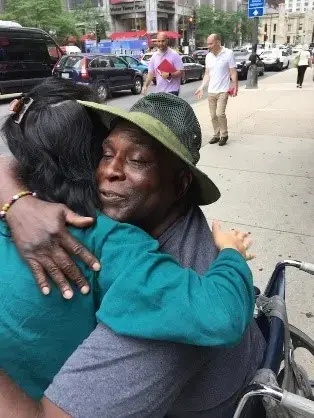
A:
[173,123]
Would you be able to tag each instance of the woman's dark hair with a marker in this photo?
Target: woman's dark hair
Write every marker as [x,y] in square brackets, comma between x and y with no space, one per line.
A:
[58,145]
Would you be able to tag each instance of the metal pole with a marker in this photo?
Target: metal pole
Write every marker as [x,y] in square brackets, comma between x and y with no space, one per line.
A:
[135,17]
[252,76]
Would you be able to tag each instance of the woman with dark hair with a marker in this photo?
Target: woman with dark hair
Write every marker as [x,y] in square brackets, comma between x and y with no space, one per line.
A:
[57,146]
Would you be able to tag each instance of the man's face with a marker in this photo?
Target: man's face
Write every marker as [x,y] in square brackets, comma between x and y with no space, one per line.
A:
[213,44]
[136,178]
[162,42]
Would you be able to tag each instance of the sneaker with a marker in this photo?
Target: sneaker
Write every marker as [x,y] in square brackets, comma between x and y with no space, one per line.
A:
[223,141]
[298,86]
[214,140]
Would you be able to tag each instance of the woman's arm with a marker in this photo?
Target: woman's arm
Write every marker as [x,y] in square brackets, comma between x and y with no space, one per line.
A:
[148,295]
[39,232]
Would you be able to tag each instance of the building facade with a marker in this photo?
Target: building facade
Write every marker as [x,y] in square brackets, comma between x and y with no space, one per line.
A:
[287,28]
[301,6]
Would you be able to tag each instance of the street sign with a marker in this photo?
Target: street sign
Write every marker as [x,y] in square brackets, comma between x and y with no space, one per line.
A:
[257,12]
[255,8]
[253,4]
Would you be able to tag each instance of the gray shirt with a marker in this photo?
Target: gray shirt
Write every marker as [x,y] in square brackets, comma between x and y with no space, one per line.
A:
[115,376]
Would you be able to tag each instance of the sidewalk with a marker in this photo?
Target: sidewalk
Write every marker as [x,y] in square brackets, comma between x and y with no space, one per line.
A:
[266,177]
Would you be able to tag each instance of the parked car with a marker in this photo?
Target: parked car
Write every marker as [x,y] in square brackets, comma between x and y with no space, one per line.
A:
[192,69]
[105,73]
[276,59]
[243,63]
[135,63]
[200,56]
[146,58]
[27,57]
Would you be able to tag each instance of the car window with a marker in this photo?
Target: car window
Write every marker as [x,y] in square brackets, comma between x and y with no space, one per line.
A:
[22,50]
[191,60]
[184,60]
[117,62]
[131,60]
[71,61]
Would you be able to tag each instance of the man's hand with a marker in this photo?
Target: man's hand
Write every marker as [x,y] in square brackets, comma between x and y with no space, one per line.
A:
[235,91]
[165,76]
[39,231]
[199,93]
[235,239]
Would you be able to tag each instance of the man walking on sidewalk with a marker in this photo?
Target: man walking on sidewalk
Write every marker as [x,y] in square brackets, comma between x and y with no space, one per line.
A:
[219,68]
[167,66]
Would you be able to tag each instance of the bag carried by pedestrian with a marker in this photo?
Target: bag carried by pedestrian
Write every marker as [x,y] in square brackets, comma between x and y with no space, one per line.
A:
[297,59]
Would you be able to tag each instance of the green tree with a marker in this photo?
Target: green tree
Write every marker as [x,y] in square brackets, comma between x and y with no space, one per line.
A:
[89,19]
[226,24]
[42,14]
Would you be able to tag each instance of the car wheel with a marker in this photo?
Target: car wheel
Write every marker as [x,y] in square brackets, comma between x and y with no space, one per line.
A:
[280,66]
[183,79]
[202,75]
[138,85]
[288,64]
[102,92]
[262,72]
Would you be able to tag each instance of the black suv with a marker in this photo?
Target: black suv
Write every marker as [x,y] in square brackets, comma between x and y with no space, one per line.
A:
[105,73]
[27,56]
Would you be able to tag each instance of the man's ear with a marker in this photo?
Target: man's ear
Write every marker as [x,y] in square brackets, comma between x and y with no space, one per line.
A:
[185,180]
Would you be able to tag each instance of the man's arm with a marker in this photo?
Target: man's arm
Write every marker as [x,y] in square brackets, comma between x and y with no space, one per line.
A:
[233,74]
[234,79]
[149,79]
[200,91]
[14,403]
[39,232]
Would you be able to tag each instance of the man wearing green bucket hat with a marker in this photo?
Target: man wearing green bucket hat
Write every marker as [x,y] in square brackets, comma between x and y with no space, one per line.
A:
[148,177]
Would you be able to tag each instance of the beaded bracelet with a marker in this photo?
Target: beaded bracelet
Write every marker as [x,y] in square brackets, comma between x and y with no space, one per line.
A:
[13,199]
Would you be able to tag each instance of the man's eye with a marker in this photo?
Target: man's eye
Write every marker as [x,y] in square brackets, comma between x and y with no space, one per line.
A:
[107,156]
[138,161]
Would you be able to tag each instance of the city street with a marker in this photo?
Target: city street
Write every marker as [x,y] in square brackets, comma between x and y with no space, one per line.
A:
[125,99]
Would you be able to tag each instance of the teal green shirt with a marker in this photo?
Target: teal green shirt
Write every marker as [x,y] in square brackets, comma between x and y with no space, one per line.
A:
[139,292]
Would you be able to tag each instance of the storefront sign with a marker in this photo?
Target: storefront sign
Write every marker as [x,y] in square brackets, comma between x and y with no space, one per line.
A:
[125,8]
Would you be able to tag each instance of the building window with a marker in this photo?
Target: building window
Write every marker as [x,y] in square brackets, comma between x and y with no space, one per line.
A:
[289,27]
[275,27]
[300,26]
[297,9]
[265,27]
[290,10]
[288,39]
[274,39]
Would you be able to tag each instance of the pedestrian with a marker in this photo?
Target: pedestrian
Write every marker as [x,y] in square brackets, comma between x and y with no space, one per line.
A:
[219,68]
[302,61]
[166,66]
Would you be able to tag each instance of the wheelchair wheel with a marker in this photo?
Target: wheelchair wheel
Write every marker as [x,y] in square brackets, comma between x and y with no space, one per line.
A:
[300,339]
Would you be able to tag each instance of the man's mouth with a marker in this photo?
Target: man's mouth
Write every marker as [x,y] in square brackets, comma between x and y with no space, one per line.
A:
[111,196]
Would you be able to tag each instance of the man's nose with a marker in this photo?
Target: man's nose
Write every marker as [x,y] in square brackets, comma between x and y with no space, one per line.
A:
[112,170]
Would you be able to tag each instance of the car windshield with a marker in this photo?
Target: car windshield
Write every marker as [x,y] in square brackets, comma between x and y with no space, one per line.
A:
[268,53]
[239,55]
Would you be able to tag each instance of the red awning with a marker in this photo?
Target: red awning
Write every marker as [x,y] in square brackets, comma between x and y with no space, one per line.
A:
[88,37]
[173,35]
[128,35]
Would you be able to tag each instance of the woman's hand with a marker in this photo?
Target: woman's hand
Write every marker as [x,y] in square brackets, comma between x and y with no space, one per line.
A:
[39,231]
[235,239]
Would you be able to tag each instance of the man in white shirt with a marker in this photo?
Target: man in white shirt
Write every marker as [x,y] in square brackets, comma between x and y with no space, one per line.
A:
[220,67]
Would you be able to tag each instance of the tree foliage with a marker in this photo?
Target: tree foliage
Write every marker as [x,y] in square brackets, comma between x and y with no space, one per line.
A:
[226,24]
[90,20]
[43,14]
